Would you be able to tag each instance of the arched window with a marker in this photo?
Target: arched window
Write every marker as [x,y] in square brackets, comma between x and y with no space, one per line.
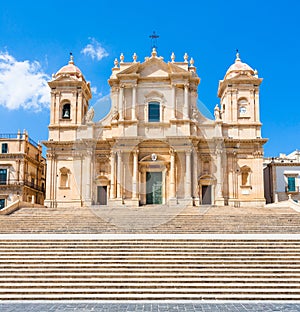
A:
[153,111]
[66,111]
[243,108]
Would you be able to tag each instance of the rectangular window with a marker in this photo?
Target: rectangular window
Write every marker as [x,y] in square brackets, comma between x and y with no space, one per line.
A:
[291,184]
[3,176]
[4,148]
[154,112]
[2,203]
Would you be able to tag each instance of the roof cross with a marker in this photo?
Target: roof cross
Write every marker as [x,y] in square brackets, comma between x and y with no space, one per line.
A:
[153,38]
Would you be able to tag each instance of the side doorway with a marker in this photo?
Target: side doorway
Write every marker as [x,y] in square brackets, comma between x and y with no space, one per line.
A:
[206,195]
[102,195]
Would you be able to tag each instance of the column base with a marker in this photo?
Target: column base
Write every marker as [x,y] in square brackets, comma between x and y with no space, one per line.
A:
[220,201]
[196,201]
[254,203]
[87,203]
[173,202]
[115,202]
[132,202]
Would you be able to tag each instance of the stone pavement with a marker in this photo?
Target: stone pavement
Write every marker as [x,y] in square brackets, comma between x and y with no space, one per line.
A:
[150,307]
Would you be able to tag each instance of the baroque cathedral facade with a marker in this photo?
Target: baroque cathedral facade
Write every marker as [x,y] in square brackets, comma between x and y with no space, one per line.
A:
[155,147]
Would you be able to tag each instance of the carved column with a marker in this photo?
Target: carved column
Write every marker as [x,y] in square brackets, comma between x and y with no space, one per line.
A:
[121,94]
[219,199]
[88,163]
[112,175]
[133,107]
[172,175]
[135,175]
[143,186]
[186,101]
[188,174]
[173,106]
[195,177]
[119,175]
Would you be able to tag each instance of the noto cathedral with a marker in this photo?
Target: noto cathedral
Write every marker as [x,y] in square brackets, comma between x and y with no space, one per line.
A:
[154,146]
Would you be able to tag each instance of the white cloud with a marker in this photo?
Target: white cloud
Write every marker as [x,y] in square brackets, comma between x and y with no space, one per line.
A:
[94,90]
[23,84]
[94,50]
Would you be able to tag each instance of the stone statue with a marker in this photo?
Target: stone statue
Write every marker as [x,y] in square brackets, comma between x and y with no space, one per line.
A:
[115,115]
[195,114]
[90,115]
[217,112]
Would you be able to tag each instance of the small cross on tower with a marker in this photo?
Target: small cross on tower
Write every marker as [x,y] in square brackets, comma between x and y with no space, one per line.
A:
[153,38]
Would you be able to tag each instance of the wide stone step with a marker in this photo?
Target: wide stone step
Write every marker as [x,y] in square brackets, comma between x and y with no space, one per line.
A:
[128,275]
[147,285]
[140,280]
[152,296]
[149,258]
[161,269]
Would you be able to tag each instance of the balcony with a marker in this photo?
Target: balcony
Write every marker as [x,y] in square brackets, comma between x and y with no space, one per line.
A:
[21,183]
[292,190]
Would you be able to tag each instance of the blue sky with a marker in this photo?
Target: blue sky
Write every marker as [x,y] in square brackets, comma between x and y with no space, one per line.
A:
[37,36]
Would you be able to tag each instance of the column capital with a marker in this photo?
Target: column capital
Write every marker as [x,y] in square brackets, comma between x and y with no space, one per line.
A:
[172,151]
[135,151]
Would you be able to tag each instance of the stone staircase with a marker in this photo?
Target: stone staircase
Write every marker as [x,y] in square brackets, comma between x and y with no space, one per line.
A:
[149,267]
[190,220]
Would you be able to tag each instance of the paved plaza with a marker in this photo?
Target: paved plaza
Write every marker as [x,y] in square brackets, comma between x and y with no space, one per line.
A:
[151,307]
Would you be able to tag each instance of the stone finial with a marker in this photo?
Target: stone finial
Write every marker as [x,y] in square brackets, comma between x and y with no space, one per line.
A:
[256,73]
[154,53]
[173,57]
[192,62]
[71,61]
[186,57]
[121,58]
[134,56]
[116,63]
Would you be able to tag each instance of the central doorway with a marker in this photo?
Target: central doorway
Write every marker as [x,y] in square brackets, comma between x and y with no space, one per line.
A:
[102,195]
[154,188]
[206,194]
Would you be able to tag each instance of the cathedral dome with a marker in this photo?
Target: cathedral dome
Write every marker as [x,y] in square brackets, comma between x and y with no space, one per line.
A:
[70,69]
[238,67]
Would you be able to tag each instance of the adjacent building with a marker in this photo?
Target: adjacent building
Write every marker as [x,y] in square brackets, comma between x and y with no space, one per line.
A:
[282,177]
[22,169]
[155,146]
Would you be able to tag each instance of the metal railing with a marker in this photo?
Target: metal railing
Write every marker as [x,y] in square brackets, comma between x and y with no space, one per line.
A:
[9,135]
[17,136]
[293,190]
[30,184]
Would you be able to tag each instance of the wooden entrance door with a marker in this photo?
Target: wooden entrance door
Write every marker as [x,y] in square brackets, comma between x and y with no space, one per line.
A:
[154,188]
[102,195]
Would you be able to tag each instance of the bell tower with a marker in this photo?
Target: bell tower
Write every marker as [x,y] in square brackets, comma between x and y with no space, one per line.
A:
[239,94]
[70,95]
[241,129]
